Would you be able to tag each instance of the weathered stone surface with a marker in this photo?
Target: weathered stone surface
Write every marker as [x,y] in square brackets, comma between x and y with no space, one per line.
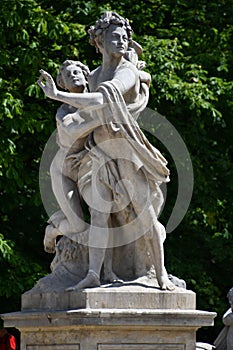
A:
[109,329]
[106,161]
[131,296]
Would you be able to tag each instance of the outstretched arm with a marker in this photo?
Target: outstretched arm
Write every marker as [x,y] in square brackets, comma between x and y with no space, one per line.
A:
[78,100]
[76,130]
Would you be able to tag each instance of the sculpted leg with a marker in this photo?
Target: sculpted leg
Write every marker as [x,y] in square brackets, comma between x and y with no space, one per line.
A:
[148,215]
[67,196]
[109,275]
[98,241]
[98,237]
[157,251]
[54,230]
[50,236]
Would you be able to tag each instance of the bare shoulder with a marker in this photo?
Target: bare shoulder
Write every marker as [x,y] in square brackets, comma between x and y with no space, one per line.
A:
[128,66]
[94,72]
[127,79]
[93,78]
[145,77]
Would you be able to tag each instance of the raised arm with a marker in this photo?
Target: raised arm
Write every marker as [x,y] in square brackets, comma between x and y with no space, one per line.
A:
[78,100]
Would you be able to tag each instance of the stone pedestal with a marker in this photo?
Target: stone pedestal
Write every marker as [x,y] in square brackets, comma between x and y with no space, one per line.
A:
[125,296]
[127,317]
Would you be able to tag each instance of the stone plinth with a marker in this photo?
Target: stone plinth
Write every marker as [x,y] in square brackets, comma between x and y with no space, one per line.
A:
[109,329]
[130,317]
[131,296]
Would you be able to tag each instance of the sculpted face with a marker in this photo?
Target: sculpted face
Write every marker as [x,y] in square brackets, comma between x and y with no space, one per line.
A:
[115,40]
[74,78]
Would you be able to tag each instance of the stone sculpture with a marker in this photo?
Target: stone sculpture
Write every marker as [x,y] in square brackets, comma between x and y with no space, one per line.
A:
[117,171]
[72,77]
[224,340]
[106,164]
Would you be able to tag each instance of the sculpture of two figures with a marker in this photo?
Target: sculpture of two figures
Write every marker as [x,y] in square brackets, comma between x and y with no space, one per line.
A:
[106,164]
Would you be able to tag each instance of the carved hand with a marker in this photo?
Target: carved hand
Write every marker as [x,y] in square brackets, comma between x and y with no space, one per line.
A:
[49,87]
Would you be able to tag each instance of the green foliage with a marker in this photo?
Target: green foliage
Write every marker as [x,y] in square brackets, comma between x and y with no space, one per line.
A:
[17,272]
[188,49]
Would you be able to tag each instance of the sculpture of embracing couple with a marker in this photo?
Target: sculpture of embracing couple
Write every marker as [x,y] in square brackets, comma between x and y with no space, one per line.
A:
[106,163]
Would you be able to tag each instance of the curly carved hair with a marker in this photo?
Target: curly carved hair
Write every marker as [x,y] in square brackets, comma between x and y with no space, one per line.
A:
[103,24]
[60,80]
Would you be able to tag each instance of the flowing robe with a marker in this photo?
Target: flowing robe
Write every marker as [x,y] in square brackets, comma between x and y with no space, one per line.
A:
[128,165]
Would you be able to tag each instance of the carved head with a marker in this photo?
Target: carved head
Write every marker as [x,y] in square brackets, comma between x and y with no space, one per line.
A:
[101,27]
[72,76]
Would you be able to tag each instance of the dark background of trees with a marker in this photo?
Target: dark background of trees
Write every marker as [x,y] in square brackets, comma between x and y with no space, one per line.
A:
[189,53]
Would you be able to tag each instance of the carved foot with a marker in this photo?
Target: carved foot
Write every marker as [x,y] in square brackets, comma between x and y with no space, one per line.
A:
[91,280]
[110,276]
[165,283]
[51,234]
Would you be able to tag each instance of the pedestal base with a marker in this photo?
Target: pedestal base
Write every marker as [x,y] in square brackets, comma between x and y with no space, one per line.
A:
[126,296]
[128,317]
[109,329]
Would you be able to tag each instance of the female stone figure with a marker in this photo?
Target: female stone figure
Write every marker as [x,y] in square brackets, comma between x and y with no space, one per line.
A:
[72,77]
[118,152]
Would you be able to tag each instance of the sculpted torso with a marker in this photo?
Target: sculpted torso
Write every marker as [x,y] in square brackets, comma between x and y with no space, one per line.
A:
[125,72]
[66,115]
